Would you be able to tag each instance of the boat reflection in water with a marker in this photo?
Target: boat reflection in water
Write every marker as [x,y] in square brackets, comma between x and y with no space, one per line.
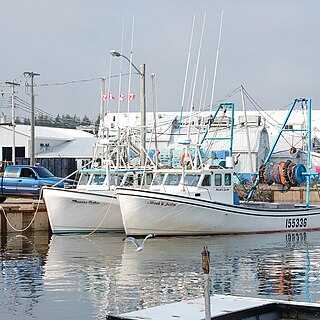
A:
[89,277]
[22,268]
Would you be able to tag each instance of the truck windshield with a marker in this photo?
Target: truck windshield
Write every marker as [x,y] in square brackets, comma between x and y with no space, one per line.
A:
[43,172]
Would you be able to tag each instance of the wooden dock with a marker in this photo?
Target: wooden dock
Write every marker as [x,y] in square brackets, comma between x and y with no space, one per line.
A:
[227,308]
[19,215]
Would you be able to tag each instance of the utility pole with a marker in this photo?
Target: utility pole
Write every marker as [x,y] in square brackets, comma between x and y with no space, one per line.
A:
[13,123]
[32,122]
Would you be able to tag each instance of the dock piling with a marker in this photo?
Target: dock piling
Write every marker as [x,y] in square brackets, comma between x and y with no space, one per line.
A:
[206,269]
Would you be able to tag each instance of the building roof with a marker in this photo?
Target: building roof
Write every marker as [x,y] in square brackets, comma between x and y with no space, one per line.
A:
[53,133]
[81,147]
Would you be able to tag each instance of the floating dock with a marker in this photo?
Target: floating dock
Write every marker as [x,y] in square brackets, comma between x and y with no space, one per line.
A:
[227,308]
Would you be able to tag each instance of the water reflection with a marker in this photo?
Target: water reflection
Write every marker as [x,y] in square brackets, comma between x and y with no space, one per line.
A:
[86,277]
[21,282]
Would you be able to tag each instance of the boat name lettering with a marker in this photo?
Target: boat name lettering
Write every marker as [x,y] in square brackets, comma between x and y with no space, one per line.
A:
[85,201]
[296,222]
[161,203]
[222,189]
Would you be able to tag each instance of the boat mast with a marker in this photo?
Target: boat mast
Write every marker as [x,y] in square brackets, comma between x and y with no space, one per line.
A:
[186,75]
[216,63]
[195,77]
[246,127]
[308,106]
[129,89]
[101,123]
[188,141]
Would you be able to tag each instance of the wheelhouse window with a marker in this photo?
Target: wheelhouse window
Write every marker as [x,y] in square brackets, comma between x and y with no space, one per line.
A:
[115,180]
[128,181]
[218,179]
[173,179]
[227,179]
[206,181]
[97,179]
[158,179]
[84,178]
[147,178]
[192,180]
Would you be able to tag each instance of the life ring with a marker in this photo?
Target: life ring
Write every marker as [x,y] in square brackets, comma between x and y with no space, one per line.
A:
[188,159]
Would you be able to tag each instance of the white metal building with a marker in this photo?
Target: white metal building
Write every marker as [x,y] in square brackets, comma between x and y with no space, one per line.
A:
[50,143]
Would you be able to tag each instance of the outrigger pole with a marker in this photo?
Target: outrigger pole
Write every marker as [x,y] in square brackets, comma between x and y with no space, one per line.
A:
[224,107]
[307,103]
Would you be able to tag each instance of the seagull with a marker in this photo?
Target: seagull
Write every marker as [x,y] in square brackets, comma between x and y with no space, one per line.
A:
[137,244]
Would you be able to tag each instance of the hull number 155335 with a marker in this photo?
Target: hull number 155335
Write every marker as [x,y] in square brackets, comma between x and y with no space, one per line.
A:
[296,222]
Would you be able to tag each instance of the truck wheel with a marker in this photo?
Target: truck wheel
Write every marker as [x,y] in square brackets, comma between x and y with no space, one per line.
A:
[2,199]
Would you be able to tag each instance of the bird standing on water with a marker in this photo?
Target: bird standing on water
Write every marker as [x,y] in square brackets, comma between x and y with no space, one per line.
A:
[137,244]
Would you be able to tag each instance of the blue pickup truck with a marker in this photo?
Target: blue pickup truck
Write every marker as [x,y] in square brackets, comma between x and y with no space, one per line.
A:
[27,181]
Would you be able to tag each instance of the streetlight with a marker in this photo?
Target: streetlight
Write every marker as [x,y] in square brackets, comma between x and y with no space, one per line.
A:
[142,73]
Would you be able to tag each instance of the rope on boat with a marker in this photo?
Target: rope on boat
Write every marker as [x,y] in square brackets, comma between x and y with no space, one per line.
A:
[93,231]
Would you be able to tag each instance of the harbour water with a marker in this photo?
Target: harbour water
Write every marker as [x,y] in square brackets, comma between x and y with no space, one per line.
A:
[87,277]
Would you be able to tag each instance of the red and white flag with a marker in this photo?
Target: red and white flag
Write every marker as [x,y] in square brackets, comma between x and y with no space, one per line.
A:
[104,97]
[132,96]
[110,96]
[121,97]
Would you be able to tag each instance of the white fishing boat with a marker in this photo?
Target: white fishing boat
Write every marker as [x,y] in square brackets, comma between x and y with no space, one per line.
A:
[92,206]
[202,201]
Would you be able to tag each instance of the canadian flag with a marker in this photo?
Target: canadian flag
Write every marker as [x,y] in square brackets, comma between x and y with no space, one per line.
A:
[121,97]
[110,96]
[132,96]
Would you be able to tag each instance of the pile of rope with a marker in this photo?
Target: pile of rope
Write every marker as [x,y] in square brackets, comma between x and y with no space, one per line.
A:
[284,173]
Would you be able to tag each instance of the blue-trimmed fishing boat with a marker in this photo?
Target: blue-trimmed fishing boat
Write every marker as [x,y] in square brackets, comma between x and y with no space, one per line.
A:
[202,201]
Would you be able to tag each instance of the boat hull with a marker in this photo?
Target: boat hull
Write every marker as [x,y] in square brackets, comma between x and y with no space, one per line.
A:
[71,210]
[146,211]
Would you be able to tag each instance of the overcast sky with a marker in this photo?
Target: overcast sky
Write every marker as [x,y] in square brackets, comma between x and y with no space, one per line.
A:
[269,47]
